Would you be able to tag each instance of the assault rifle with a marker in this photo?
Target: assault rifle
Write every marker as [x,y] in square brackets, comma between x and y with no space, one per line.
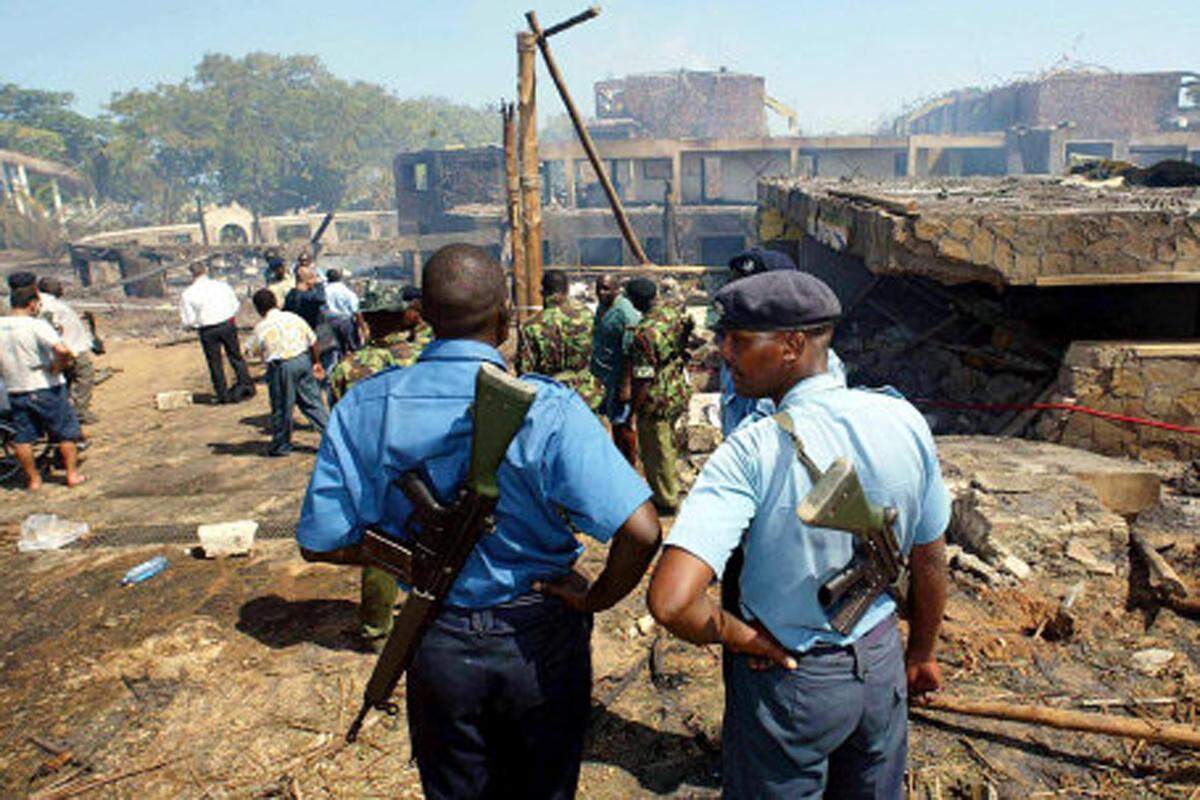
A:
[837,501]
[441,537]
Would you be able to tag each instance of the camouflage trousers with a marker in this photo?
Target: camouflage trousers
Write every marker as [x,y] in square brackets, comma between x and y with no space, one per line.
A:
[377,609]
[656,445]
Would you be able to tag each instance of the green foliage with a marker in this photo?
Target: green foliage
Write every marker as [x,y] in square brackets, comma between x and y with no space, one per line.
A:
[274,133]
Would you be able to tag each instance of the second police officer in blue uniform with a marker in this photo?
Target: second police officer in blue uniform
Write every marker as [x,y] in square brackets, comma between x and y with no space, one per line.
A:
[808,711]
[499,693]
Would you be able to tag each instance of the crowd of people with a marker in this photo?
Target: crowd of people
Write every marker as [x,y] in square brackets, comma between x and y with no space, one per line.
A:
[46,374]
[498,695]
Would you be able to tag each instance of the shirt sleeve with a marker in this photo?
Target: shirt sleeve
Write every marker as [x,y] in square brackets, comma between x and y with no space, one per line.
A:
[187,313]
[935,504]
[341,499]
[46,335]
[720,506]
[587,476]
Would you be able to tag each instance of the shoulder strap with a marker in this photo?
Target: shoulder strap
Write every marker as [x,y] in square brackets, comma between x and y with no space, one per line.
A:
[783,420]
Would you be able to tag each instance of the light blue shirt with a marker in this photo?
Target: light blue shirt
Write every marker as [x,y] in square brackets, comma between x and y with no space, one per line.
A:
[735,409]
[340,300]
[561,463]
[754,482]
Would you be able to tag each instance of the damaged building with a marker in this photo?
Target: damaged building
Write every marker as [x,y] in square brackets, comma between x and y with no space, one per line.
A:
[1008,305]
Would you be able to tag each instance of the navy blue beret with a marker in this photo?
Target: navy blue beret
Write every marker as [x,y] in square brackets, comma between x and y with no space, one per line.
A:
[782,300]
[758,259]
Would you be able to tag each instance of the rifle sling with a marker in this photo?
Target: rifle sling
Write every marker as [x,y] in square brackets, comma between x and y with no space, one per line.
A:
[783,420]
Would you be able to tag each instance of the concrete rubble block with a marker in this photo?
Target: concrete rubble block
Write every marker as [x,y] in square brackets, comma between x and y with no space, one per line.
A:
[1026,500]
[1152,661]
[225,539]
[170,401]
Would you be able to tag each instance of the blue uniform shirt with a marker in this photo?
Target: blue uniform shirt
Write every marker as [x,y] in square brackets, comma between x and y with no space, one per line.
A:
[735,408]
[560,463]
[754,482]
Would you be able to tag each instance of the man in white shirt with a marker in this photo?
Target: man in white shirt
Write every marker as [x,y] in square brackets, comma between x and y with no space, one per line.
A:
[210,306]
[289,347]
[341,304]
[32,357]
[80,374]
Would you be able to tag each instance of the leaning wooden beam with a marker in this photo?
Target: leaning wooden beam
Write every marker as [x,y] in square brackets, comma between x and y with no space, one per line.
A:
[1149,730]
[585,138]
[1163,579]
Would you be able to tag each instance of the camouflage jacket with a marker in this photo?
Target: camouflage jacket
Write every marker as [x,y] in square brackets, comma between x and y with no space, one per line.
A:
[659,355]
[557,342]
[396,350]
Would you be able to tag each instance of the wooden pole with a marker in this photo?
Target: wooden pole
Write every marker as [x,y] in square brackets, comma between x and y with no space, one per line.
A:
[1063,719]
[585,139]
[512,185]
[529,291]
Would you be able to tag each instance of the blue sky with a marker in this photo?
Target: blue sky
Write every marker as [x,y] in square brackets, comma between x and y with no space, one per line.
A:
[842,64]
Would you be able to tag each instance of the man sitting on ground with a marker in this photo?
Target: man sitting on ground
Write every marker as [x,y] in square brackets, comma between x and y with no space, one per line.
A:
[32,358]
[289,348]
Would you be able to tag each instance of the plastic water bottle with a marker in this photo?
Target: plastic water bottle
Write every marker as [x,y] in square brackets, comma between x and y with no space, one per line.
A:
[144,571]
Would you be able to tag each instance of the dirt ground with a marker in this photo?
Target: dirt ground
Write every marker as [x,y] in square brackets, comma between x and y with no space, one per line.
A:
[237,678]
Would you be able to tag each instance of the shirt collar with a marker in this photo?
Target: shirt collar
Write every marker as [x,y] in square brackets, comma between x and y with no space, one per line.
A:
[271,312]
[461,350]
[808,387]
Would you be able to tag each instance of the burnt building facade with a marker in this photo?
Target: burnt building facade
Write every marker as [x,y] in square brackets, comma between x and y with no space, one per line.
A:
[684,104]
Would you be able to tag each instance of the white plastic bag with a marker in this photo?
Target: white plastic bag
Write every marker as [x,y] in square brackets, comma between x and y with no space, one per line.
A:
[48,532]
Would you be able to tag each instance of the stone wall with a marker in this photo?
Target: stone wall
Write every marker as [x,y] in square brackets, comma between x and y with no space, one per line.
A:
[1002,232]
[1147,380]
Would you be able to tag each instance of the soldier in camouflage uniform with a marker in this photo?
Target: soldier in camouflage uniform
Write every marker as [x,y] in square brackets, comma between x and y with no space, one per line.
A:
[557,341]
[661,391]
[398,334]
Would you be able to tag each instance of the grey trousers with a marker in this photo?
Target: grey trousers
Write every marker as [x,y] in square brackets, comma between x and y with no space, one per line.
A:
[290,384]
[81,378]
[836,727]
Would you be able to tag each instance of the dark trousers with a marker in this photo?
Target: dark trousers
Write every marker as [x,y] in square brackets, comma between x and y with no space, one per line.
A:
[290,384]
[498,701]
[224,335]
[836,727]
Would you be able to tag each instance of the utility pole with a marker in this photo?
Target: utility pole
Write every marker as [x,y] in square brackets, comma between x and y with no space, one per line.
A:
[512,186]
[529,279]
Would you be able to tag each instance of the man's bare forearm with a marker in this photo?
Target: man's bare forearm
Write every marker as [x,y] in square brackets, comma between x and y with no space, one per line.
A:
[927,599]
[629,557]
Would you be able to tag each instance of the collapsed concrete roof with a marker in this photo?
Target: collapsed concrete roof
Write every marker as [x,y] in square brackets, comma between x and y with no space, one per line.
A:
[1002,231]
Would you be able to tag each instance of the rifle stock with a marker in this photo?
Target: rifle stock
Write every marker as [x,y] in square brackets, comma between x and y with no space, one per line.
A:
[447,534]
[837,501]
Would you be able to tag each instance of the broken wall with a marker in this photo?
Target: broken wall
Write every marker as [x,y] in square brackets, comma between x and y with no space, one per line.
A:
[1145,380]
[683,104]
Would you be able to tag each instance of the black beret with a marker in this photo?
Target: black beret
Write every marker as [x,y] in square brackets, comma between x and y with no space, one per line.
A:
[776,301]
[18,279]
[757,260]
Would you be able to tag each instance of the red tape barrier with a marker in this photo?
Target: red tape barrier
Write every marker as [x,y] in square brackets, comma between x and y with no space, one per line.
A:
[1095,412]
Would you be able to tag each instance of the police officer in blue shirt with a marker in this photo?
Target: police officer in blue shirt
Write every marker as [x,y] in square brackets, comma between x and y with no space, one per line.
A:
[808,711]
[734,407]
[499,692]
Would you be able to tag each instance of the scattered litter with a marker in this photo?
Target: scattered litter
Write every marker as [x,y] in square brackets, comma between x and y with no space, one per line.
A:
[49,532]
[1152,661]
[1078,551]
[645,624]
[224,539]
[144,571]
[170,401]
